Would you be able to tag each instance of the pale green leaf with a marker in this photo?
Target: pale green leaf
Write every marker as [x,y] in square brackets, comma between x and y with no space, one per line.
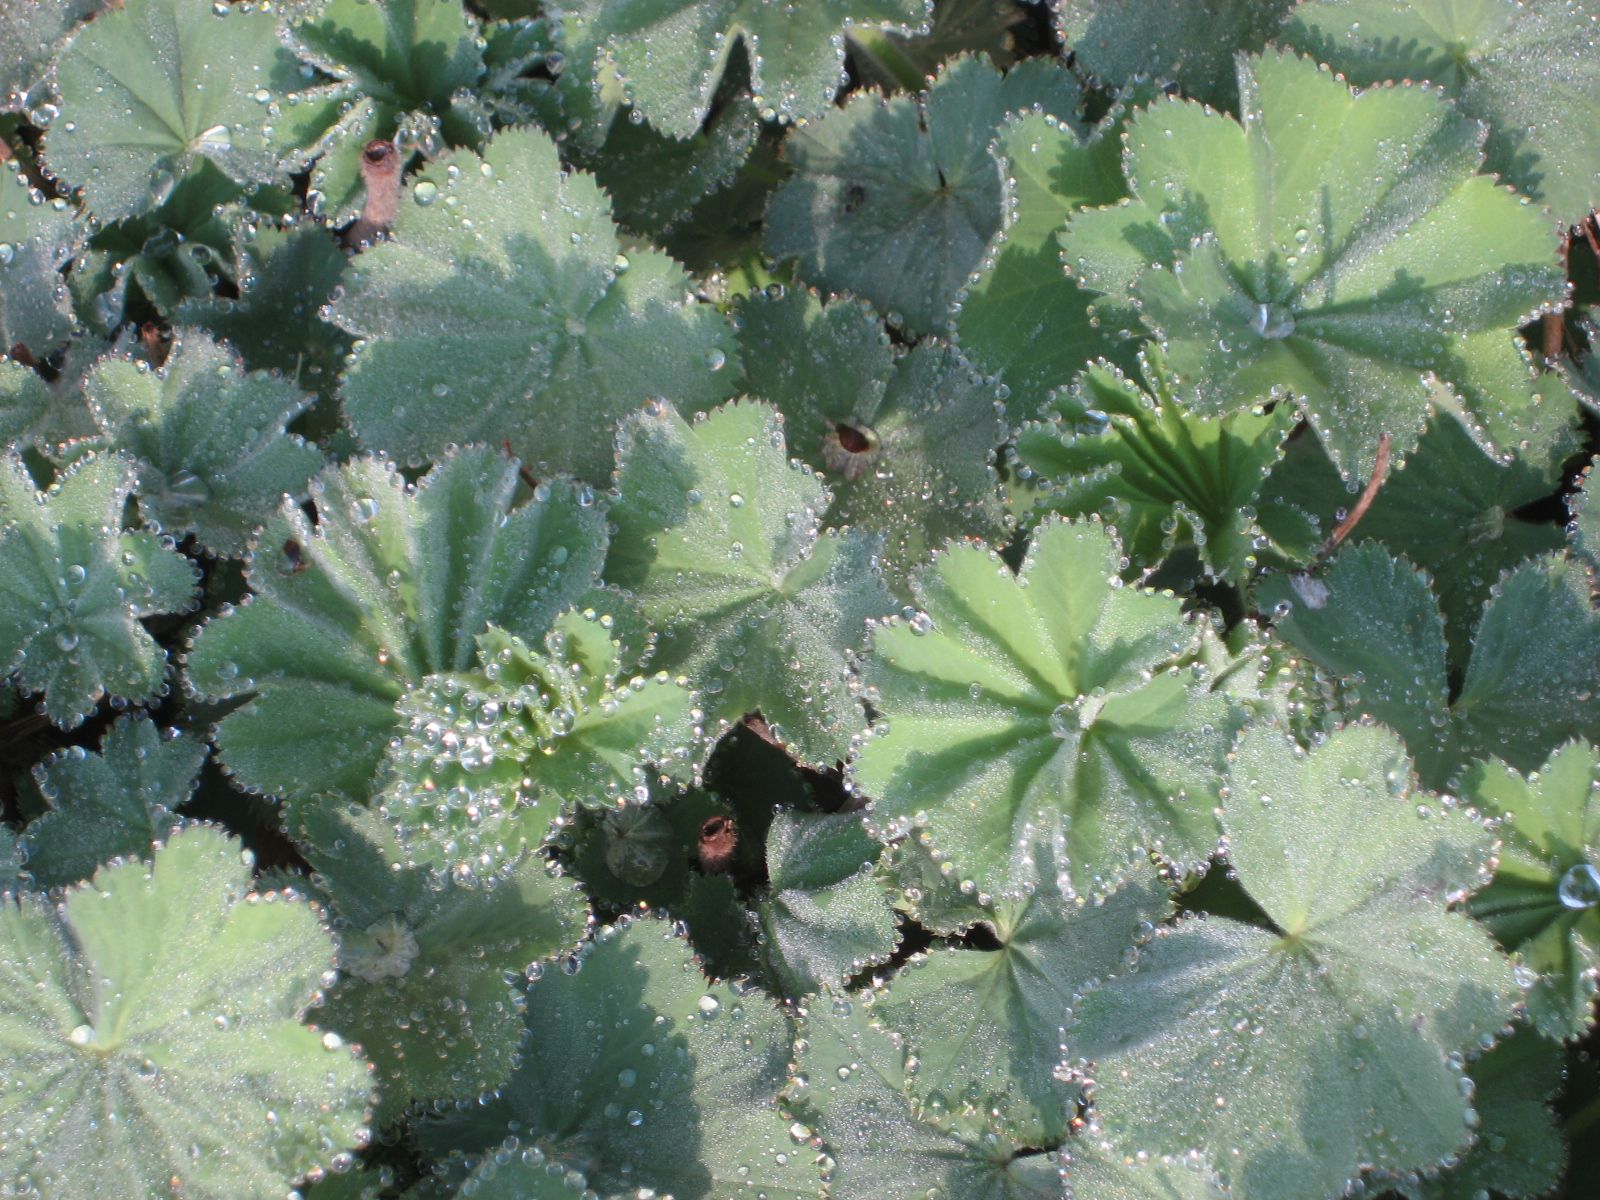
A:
[1052,699]
[114,804]
[640,1074]
[906,444]
[391,584]
[671,54]
[150,1031]
[825,918]
[852,1090]
[1544,901]
[717,534]
[37,239]
[898,201]
[1531,72]
[33,413]
[1296,1056]
[152,87]
[1584,506]
[73,587]
[1336,248]
[30,32]
[430,962]
[1095,1171]
[213,457]
[490,319]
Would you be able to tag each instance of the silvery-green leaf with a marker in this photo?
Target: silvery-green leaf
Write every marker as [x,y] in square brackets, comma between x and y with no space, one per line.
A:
[33,413]
[37,238]
[1584,505]
[1096,1171]
[30,32]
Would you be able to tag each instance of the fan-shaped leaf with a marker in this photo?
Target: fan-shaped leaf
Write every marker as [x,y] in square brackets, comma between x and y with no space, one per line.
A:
[1244,1042]
[898,201]
[717,534]
[34,414]
[485,316]
[149,1030]
[37,237]
[392,583]
[114,804]
[30,32]
[1055,699]
[1095,1171]
[1333,247]
[73,587]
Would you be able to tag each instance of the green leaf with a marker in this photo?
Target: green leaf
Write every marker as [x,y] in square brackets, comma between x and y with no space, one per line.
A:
[73,587]
[1051,170]
[1520,1152]
[670,54]
[1165,478]
[1298,1055]
[639,1074]
[213,457]
[1543,900]
[391,584]
[487,758]
[1053,700]
[1528,71]
[397,68]
[1584,505]
[852,1089]
[37,239]
[149,1027]
[1373,621]
[14,876]
[486,315]
[906,445]
[825,918]
[635,853]
[285,276]
[717,534]
[1117,41]
[1336,248]
[1096,1172]
[33,414]
[151,88]
[30,32]
[898,201]
[114,804]
[986,1025]
[430,962]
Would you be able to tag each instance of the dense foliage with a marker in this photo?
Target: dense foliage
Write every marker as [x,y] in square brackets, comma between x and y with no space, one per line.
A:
[874,599]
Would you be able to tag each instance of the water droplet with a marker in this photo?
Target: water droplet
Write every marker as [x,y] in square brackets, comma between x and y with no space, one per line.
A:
[710,1006]
[425,193]
[1580,887]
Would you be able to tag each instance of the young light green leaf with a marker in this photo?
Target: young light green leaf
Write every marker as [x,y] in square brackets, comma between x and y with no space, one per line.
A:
[150,1031]
[1051,171]
[1338,248]
[1192,45]
[1053,699]
[641,1075]
[397,68]
[898,201]
[1372,621]
[1163,477]
[35,414]
[213,456]
[1544,901]
[487,758]
[114,804]
[825,918]
[670,54]
[852,1090]
[37,239]
[430,961]
[73,588]
[1529,71]
[392,583]
[907,446]
[1243,1042]
[986,1026]
[485,315]
[717,534]
[152,87]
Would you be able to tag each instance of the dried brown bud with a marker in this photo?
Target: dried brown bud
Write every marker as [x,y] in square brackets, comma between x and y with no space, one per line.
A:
[718,840]
[380,172]
[850,449]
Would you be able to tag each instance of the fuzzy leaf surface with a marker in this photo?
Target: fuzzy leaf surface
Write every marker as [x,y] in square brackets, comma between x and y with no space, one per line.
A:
[30,33]
[39,237]
[1584,506]
[1337,248]
[155,1012]
[487,318]
[898,201]
[73,588]
[393,583]
[114,804]
[1240,1041]
[717,534]
[1055,699]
